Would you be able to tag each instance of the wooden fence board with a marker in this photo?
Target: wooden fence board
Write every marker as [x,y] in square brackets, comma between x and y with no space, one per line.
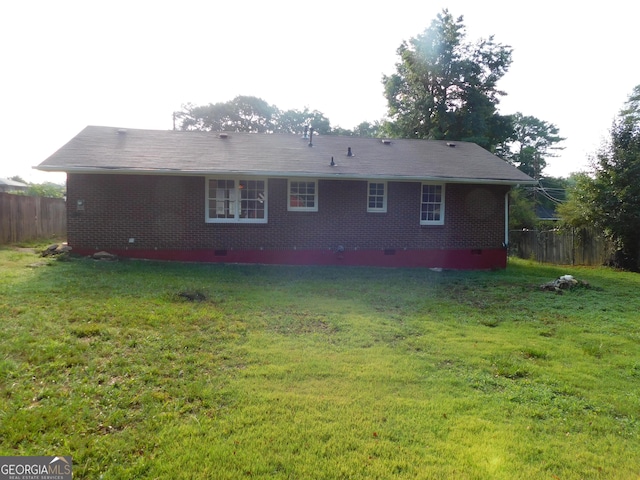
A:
[24,218]
[575,247]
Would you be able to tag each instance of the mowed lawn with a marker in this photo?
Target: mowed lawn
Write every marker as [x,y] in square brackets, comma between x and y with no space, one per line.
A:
[169,371]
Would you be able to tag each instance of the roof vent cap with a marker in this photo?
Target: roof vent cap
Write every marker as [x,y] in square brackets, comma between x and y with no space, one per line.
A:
[122,131]
[386,141]
[223,135]
[451,144]
[311,136]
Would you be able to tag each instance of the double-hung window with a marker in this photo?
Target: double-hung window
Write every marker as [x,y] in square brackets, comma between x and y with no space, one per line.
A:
[432,204]
[236,200]
[377,197]
[303,196]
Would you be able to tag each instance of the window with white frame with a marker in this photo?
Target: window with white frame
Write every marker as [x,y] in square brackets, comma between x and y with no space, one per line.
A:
[377,197]
[303,195]
[236,200]
[432,204]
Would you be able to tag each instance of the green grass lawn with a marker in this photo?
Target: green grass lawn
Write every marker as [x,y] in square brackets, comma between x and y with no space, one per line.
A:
[307,373]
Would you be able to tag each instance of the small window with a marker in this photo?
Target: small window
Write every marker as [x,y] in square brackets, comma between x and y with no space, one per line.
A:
[303,195]
[236,200]
[377,197]
[432,204]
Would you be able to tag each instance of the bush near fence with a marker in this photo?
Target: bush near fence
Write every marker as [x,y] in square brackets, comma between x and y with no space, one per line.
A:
[578,246]
[24,218]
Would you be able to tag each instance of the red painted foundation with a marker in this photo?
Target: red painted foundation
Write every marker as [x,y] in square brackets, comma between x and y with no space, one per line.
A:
[460,259]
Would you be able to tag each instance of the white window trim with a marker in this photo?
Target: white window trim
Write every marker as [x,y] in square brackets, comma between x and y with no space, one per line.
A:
[292,208]
[237,218]
[442,205]
[384,198]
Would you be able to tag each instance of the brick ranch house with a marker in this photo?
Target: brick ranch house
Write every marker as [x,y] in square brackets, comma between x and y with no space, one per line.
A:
[285,199]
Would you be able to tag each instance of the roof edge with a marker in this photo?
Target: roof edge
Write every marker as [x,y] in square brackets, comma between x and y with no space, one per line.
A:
[279,174]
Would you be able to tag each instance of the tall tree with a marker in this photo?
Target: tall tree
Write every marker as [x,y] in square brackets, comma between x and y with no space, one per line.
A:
[249,114]
[532,142]
[446,88]
[294,121]
[609,198]
[242,114]
[367,129]
[363,129]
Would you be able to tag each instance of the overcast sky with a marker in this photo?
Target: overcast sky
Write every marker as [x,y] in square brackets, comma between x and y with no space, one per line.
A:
[67,64]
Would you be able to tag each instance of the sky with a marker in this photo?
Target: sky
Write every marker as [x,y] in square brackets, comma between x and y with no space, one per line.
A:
[132,63]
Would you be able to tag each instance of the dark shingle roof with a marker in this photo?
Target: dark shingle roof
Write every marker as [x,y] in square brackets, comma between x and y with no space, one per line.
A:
[109,149]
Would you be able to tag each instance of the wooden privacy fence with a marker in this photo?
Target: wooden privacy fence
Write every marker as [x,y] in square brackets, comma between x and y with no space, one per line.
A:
[24,218]
[575,247]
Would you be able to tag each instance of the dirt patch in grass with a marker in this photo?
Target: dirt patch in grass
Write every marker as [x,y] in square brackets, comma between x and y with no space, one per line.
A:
[192,296]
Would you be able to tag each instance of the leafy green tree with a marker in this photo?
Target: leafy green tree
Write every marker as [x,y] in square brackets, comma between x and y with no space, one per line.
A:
[363,129]
[609,198]
[242,114]
[529,206]
[345,132]
[577,211]
[631,110]
[250,114]
[522,213]
[532,142]
[294,121]
[46,189]
[446,88]
[367,129]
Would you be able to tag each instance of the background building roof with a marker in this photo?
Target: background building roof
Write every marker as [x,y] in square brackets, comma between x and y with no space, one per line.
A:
[7,185]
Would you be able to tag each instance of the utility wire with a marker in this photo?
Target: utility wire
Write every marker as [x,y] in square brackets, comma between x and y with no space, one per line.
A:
[548,195]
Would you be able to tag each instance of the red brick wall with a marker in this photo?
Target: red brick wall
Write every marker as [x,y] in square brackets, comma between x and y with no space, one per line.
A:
[168,212]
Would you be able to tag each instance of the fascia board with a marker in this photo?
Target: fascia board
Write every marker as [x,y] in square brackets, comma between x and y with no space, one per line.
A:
[280,174]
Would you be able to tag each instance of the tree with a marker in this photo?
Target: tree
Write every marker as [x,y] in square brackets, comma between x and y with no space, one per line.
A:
[609,198]
[250,114]
[529,206]
[367,129]
[242,114]
[446,88]
[576,211]
[294,121]
[522,215]
[18,178]
[552,192]
[532,142]
[363,129]
[46,189]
